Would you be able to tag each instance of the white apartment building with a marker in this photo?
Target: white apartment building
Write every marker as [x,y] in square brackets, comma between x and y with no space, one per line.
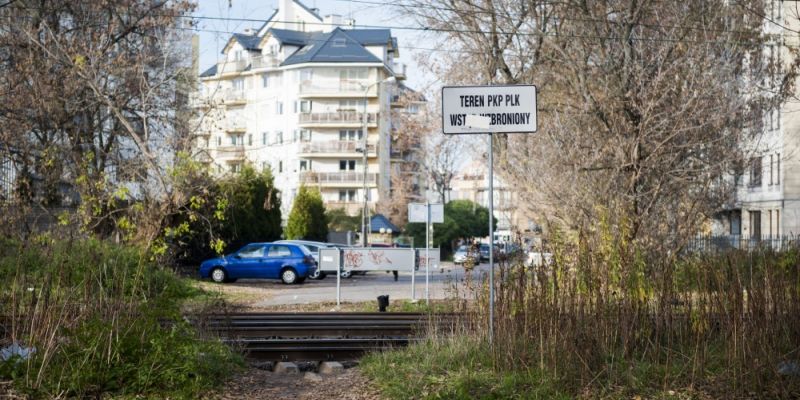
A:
[295,96]
[766,201]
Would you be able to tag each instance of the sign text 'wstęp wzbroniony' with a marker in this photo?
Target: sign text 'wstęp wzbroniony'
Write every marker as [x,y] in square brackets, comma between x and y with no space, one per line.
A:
[508,109]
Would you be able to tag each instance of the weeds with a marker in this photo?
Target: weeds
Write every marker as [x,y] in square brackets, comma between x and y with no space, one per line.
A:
[103,320]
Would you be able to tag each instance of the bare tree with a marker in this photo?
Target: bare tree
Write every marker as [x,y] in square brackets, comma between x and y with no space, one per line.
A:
[643,108]
[95,100]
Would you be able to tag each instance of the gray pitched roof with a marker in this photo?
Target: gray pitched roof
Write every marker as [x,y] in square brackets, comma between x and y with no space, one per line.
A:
[379,221]
[335,46]
[209,72]
[249,42]
[369,37]
[295,38]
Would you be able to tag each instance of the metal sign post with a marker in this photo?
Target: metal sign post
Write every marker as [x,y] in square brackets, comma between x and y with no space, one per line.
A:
[338,276]
[427,249]
[492,109]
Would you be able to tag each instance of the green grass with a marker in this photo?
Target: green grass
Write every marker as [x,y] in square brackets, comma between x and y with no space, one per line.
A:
[452,369]
[106,322]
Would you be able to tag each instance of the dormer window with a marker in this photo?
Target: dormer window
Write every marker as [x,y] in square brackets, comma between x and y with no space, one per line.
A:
[237,55]
[339,42]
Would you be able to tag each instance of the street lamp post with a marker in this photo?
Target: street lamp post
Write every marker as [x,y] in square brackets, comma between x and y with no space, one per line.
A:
[364,135]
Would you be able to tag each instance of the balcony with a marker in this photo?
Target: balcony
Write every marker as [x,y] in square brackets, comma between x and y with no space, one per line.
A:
[334,148]
[342,88]
[338,179]
[267,61]
[399,70]
[233,97]
[349,207]
[230,152]
[235,126]
[229,67]
[349,119]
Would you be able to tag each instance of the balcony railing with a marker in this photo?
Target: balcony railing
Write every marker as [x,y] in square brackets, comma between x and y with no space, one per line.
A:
[231,152]
[352,178]
[234,95]
[349,207]
[349,88]
[335,146]
[399,70]
[226,67]
[235,125]
[265,62]
[333,118]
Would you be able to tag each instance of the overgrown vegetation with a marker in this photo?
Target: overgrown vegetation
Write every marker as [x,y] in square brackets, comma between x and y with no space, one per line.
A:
[608,319]
[103,319]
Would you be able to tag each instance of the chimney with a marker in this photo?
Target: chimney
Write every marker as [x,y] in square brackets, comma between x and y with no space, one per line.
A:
[350,22]
[285,14]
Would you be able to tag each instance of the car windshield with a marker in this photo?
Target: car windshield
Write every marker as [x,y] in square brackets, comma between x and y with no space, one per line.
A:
[462,249]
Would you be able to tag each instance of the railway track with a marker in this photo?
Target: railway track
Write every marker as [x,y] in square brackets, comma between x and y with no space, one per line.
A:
[317,336]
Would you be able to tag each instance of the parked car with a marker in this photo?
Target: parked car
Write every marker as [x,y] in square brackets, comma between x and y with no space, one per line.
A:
[465,253]
[314,248]
[288,262]
[484,250]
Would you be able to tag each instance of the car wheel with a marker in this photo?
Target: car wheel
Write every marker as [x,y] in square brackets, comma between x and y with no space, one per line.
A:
[289,276]
[317,274]
[219,275]
[346,274]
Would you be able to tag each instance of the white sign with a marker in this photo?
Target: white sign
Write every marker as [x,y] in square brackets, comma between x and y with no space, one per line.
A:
[434,256]
[378,259]
[476,121]
[417,213]
[509,109]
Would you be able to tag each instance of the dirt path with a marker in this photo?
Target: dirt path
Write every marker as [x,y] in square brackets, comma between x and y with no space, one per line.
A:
[256,383]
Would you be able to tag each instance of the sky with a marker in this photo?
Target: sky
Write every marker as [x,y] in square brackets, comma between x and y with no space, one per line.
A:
[211,43]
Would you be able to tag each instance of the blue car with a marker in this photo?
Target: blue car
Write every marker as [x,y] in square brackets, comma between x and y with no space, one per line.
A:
[288,262]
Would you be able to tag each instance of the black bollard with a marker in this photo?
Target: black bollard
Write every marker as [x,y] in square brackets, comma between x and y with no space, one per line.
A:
[383,302]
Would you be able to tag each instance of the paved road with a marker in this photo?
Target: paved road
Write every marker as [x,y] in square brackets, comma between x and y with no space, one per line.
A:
[360,288]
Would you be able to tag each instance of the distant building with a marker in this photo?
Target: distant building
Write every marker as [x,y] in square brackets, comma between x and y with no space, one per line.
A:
[472,183]
[766,201]
[294,96]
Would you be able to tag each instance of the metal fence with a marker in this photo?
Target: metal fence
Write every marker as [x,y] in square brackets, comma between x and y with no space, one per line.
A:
[739,242]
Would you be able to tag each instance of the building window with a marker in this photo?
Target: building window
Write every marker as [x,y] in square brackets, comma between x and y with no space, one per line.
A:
[219,141]
[778,169]
[265,80]
[769,215]
[339,42]
[279,108]
[349,74]
[771,169]
[306,74]
[238,84]
[305,135]
[279,137]
[347,195]
[280,166]
[755,171]
[305,165]
[351,134]
[263,138]
[236,168]
[304,106]
[755,225]
[778,223]
[347,165]
[250,139]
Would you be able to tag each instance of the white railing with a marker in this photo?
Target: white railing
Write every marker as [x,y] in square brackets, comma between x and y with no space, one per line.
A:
[341,88]
[235,125]
[336,146]
[349,207]
[225,67]
[235,151]
[354,178]
[348,117]
[265,62]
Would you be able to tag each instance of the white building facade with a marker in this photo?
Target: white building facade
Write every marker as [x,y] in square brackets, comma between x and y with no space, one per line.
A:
[766,202]
[295,96]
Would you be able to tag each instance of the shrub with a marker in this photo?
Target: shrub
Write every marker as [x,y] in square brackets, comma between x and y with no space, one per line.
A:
[307,220]
[102,320]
